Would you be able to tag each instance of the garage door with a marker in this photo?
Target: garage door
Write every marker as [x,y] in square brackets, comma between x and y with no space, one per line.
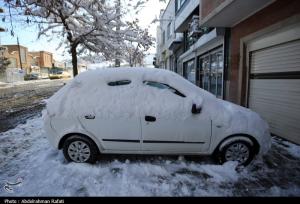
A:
[274,89]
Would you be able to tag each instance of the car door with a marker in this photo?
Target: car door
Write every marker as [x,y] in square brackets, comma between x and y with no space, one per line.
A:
[116,124]
[168,125]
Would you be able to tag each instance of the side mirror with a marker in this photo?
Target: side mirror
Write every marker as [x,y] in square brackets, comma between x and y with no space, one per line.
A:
[196,110]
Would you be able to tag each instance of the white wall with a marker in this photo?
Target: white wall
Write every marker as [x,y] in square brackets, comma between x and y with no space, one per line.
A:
[186,11]
[12,75]
[166,18]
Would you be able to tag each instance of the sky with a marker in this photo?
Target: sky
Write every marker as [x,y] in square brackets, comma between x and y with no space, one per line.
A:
[28,34]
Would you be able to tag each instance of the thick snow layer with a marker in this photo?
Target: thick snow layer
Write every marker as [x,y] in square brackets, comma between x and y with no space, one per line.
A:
[89,94]
[101,65]
[26,155]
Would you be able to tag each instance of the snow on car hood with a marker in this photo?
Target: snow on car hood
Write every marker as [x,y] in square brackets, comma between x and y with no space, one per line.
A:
[239,120]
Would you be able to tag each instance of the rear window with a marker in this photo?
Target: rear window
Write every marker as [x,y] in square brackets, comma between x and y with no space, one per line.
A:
[119,83]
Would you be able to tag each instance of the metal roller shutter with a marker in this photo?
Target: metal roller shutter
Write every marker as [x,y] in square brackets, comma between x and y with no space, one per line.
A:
[274,89]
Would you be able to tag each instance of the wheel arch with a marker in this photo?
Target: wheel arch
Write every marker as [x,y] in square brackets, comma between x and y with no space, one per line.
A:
[237,137]
[65,137]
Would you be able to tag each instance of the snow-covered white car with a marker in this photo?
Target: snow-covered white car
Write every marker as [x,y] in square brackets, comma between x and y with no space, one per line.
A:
[149,111]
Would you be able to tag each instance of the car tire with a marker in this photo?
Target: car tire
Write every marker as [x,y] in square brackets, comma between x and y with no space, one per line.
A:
[240,151]
[80,149]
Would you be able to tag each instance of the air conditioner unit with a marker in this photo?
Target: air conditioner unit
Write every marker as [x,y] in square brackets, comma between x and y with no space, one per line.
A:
[194,26]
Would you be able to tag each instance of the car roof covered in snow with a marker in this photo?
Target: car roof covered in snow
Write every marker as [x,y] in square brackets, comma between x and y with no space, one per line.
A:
[140,74]
[90,92]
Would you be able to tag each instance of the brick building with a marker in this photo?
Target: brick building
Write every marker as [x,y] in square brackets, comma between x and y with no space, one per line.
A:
[16,58]
[42,59]
[30,60]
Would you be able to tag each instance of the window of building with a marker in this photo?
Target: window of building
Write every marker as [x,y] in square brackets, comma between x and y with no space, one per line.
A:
[34,61]
[211,72]
[163,37]
[171,60]
[185,41]
[169,31]
[175,65]
[190,71]
[179,4]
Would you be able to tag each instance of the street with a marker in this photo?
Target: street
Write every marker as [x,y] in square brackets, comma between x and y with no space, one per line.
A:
[24,100]
[28,160]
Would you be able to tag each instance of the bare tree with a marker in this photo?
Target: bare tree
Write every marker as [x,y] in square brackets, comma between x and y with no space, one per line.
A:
[86,26]
[135,51]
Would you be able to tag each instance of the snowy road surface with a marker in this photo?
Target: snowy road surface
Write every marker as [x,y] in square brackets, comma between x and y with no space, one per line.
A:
[23,100]
[28,160]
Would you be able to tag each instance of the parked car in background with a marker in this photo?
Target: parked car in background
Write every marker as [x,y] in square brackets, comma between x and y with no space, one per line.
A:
[32,76]
[149,111]
[59,74]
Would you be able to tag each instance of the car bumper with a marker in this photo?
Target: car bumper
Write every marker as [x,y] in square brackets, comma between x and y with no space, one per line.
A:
[50,133]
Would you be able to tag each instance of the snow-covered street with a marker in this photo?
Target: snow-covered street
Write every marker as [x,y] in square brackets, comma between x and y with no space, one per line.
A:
[27,158]
[22,100]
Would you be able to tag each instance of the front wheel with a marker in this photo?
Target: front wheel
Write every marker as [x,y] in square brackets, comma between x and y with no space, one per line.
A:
[240,151]
[80,150]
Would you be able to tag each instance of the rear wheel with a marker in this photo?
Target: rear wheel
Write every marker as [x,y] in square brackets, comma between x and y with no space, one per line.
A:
[240,151]
[80,149]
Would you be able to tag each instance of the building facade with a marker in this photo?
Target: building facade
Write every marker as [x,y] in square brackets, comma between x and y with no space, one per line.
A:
[197,53]
[42,59]
[168,38]
[247,52]
[21,58]
[265,59]
[18,59]
[23,61]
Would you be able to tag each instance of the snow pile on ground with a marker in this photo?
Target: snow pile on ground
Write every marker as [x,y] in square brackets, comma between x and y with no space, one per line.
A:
[291,148]
[26,155]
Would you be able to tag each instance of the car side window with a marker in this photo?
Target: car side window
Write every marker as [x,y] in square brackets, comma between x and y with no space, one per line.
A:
[164,86]
[119,83]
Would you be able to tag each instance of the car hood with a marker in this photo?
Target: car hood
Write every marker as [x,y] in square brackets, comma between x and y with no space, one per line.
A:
[236,119]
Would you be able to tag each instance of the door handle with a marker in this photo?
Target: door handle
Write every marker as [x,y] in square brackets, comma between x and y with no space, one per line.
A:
[89,117]
[150,118]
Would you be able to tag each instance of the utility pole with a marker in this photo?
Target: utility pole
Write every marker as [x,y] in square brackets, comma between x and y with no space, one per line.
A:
[19,52]
[118,29]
